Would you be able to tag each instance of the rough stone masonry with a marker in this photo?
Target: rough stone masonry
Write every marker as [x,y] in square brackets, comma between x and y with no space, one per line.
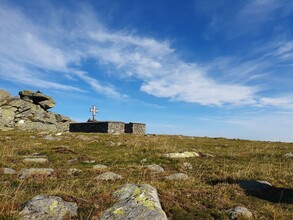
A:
[29,111]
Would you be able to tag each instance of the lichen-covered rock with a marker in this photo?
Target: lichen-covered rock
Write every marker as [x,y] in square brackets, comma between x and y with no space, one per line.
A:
[37,173]
[135,202]
[108,176]
[48,207]
[239,213]
[185,154]
[177,176]
[155,168]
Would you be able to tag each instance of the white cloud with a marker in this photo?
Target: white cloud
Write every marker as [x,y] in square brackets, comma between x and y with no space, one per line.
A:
[59,49]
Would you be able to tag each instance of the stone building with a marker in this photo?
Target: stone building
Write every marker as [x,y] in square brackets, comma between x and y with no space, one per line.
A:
[111,127]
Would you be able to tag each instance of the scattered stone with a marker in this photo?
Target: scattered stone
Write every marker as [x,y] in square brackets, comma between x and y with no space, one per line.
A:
[58,134]
[35,160]
[50,138]
[84,138]
[155,168]
[134,202]
[89,161]
[239,213]
[63,150]
[143,161]
[177,176]
[48,207]
[205,155]
[185,154]
[100,167]
[74,172]
[290,154]
[74,160]
[37,172]
[7,171]
[108,176]
[187,166]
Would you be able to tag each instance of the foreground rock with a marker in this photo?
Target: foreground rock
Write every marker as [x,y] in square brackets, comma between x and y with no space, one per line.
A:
[108,176]
[135,202]
[29,112]
[239,213]
[37,173]
[48,207]
[185,154]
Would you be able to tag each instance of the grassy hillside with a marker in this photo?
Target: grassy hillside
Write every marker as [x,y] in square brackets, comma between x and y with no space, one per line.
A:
[212,187]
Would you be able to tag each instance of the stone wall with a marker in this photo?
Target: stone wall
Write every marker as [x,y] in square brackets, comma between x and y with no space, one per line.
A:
[111,127]
[135,128]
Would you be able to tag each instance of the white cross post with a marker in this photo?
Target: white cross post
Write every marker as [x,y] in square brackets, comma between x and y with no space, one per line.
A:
[94,110]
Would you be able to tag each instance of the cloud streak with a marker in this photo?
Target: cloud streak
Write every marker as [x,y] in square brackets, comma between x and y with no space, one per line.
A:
[33,53]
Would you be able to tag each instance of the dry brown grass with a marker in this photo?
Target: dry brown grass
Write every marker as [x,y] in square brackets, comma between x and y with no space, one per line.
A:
[205,195]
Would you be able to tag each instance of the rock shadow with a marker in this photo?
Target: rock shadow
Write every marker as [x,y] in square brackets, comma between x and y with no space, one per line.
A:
[261,189]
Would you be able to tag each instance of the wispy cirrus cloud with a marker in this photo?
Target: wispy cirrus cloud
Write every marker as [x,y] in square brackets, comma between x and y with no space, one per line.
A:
[60,48]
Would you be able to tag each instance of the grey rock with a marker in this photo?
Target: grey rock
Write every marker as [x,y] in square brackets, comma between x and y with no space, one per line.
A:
[134,202]
[155,168]
[290,154]
[35,160]
[239,213]
[187,166]
[100,167]
[6,170]
[74,172]
[48,207]
[177,176]
[37,172]
[4,94]
[89,161]
[46,102]
[185,154]
[49,137]
[108,176]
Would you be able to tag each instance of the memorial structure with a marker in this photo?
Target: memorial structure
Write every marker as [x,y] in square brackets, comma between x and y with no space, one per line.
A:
[111,127]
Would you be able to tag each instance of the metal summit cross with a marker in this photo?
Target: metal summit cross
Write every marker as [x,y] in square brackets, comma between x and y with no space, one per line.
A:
[94,110]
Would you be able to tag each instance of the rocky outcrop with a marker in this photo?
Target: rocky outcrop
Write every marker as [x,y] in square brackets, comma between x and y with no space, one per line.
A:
[29,111]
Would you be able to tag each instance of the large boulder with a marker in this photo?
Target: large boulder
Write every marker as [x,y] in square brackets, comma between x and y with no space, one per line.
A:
[48,207]
[135,202]
[38,98]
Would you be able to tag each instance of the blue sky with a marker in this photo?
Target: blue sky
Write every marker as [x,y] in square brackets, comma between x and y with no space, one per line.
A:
[193,67]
